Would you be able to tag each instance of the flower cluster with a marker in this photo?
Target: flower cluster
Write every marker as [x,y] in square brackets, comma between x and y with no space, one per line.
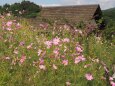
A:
[57,56]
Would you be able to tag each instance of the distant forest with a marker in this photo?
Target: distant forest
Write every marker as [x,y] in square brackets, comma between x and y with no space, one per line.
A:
[25,9]
[109,14]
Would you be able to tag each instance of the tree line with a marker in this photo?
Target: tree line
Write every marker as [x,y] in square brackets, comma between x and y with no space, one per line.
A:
[25,9]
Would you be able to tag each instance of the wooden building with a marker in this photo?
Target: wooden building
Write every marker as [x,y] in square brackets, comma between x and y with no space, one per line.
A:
[72,14]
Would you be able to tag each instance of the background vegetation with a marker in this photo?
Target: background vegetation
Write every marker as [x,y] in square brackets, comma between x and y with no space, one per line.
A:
[53,55]
[109,14]
[25,9]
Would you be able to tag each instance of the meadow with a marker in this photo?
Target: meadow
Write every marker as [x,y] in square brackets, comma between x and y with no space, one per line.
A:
[53,56]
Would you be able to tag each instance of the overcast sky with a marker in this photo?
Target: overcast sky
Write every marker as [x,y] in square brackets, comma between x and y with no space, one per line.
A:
[105,4]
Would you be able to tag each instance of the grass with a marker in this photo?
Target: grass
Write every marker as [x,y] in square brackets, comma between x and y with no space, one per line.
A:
[20,64]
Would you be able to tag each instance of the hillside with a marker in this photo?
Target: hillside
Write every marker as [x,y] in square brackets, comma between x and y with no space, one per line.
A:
[109,13]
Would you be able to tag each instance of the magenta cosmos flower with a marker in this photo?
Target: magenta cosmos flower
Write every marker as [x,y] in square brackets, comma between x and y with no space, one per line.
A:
[112,83]
[65,62]
[89,76]
[56,41]
[41,61]
[23,58]
[79,59]
[56,52]
[21,43]
[9,23]
[79,49]
[48,44]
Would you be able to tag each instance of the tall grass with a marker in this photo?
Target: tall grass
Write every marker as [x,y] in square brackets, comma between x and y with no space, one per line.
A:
[31,58]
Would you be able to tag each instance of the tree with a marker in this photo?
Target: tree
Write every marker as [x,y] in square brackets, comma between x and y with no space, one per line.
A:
[24,9]
[30,9]
[0,9]
[5,8]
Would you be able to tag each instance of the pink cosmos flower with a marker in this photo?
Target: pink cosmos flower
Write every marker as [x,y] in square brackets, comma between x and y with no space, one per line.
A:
[8,29]
[21,43]
[42,67]
[7,58]
[8,14]
[55,67]
[56,52]
[23,58]
[29,46]
[112,83]
[63,57]
[56,41]
[79,49]
[41,61]
[9,23]
[89,76]
[65,62]
[66,40]
[111,78]
[48,43]
[39,52]
[68,83]
[15,51]
[79,59]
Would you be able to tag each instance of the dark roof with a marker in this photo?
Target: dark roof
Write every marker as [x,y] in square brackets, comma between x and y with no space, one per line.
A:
[76,12]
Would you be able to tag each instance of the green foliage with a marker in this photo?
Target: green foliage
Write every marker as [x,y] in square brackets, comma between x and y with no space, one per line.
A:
[28,73]
[80,25]
[24,9]
[109,18]
[109,31]
[109,14]
[15,8]
[0,9]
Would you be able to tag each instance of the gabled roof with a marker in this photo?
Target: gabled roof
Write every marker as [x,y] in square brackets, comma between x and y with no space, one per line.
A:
[76,12]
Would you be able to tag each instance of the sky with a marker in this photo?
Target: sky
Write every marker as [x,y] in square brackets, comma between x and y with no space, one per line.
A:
[105,4]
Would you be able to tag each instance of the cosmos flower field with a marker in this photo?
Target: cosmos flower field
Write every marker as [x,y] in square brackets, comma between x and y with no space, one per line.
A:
[52,56]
